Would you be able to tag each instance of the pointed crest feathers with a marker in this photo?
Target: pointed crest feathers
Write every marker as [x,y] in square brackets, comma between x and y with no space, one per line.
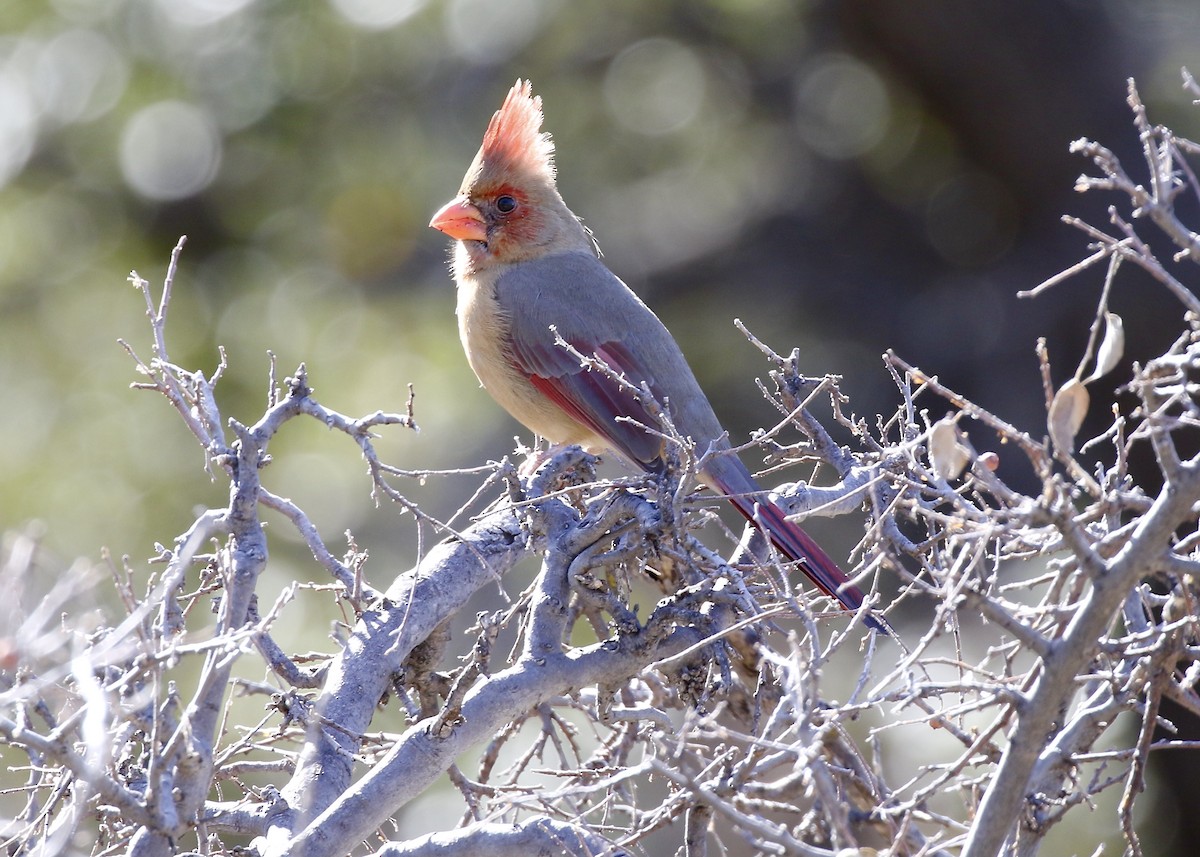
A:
[514,139]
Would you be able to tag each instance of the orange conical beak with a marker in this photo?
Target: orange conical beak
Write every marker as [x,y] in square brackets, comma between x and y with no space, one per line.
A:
[460,220]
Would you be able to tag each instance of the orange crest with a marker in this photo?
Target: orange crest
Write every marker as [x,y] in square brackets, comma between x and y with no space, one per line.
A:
[514,140]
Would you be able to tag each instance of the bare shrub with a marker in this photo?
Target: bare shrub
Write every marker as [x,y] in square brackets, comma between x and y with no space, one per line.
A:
[732,714]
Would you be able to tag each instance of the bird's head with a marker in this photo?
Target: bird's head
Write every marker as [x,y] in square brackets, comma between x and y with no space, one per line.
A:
[508,208]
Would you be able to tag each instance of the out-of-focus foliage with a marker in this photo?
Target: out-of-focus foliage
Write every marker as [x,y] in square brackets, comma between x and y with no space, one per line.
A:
[845,177]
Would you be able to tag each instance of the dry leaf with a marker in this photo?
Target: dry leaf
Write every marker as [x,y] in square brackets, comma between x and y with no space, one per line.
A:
[1067,411]
[946,454]
[1111,348]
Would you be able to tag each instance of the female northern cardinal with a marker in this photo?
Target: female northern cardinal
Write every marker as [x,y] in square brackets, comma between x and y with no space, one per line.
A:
[527,268]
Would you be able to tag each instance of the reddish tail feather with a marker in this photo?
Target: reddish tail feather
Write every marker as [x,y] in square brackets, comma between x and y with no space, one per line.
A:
[798,546]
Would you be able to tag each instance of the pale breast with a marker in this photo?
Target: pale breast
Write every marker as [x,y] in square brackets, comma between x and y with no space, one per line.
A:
[484,332]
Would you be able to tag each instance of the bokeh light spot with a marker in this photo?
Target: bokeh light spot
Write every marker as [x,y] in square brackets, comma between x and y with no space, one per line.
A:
[377,14]
[487,31]
[79,76]
[655,86]
[200,13]
[241,87]
[18,126]
[170,150]
[843,107]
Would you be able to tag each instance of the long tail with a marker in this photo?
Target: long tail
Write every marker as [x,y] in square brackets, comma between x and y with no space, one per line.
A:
[731,477]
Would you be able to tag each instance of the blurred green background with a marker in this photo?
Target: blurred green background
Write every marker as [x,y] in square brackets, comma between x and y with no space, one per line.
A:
[845,177]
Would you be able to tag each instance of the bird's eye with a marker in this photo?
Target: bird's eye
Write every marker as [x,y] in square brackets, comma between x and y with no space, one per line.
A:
[506,204]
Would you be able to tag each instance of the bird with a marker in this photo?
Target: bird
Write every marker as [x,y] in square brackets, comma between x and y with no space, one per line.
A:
[529,278]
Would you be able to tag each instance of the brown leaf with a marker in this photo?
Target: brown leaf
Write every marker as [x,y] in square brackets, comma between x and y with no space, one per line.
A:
[1112,347]
[1067,411]
[946,454]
